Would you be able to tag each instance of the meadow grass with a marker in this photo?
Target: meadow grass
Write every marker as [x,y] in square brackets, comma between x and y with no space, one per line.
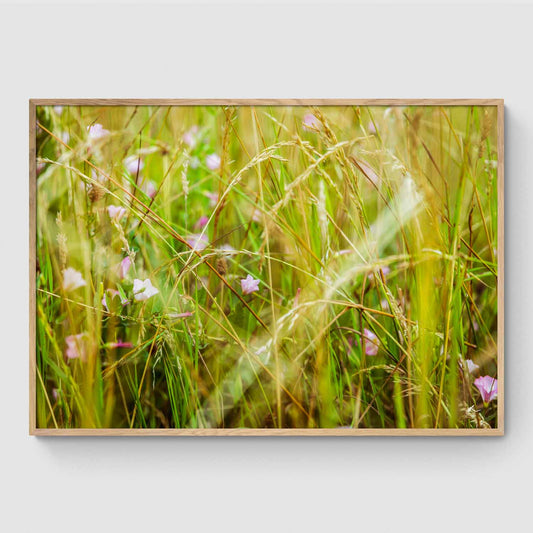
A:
[372,233]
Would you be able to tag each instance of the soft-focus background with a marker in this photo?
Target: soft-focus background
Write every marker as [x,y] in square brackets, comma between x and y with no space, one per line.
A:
[382,484]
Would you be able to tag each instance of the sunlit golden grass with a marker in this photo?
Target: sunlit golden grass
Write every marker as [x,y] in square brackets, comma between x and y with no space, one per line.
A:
[267,267]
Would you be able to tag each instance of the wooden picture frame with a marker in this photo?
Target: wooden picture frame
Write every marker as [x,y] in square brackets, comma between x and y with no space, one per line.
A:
[34,104]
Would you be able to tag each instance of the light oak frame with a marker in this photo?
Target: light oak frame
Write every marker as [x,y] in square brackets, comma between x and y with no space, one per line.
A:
[34,430]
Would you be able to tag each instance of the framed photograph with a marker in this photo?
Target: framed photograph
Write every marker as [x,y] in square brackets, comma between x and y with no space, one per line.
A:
[266,267]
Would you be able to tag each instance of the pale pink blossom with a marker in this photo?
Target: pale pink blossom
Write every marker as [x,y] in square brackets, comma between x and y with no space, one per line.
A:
[142,290]
[385,270]
[109,295]
[310,122]
[190,136]
[120,344]
[76,346]
[150,189]
[98,177]
[297,296]
[58,109]
[226,250]
[72,279]
[213,198]
[186,314]
[249,284]
[133,164]
[201,222]
[371,128]
[124,267]
[488,388]
[371,342]
[212,161]
[116,212]
[40,167]
[97,131]
[198,241]
[472,367]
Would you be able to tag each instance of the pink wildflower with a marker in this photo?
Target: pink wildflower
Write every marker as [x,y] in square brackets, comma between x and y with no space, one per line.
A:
[488,388]
[198,241]
[190,136]
[212,161]
[249,284]
[124,267]
[97,131]
[120,344]
[213,198]
[311,123]
[133,164]
[150,189]
[371,342]
[76,346]
[116,212]
[201,222]
[472,367]
[142,290]
[72,279]
[109,295]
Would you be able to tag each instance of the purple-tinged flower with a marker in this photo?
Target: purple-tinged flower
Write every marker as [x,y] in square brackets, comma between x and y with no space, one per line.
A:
[120,344]
[226,250]
[133,164]
[180,315]
[58,110]
[487,387]
[40,167]
[76,346]
[213,198]
[149,189]
[371,342]
[97,131]
[371,128]
[65,137]
[472,367]
[124,267]
[385,270]
[198,241]
[55,394]
[98,177]
[116,212]
[249,285]
[212,161]
[142,290]
[310,122]
[297,297]
[109,295]
[257,216]
[190,136]
[201,222]
[72,279]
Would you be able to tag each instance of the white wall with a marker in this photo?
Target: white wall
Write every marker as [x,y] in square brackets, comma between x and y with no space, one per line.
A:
[374,484]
